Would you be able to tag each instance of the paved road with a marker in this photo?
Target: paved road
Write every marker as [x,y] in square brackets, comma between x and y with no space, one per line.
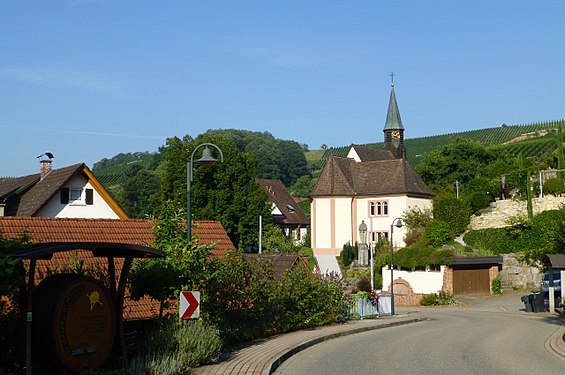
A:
[490,337]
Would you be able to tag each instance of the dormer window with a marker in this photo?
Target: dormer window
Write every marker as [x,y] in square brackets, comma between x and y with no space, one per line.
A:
[75,196]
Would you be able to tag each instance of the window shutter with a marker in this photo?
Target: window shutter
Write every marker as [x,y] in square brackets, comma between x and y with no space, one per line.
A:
[64,195]
[89,196]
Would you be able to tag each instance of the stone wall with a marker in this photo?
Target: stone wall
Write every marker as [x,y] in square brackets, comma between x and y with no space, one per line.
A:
[404,294]
[502,210]
[516,274]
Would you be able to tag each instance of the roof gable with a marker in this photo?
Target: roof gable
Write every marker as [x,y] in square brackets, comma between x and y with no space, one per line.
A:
[281,198]
[26,196]
[365,153]
[281,262]
[336,178]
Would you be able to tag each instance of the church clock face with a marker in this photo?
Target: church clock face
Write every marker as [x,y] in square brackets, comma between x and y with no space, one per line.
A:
[395,135]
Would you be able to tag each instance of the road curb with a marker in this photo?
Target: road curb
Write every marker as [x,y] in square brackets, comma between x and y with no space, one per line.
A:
[556,342]
[272,366]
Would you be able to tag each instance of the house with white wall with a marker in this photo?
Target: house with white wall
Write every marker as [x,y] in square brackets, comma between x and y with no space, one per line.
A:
[368,185]
[69,192]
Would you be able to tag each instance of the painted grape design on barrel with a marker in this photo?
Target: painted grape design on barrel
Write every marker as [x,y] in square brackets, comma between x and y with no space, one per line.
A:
[74,322]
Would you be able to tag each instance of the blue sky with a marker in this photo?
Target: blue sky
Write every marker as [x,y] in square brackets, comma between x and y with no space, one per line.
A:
[88,79]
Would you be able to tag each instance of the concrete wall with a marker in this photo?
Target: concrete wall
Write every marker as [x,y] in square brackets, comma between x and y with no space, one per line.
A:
[422,282]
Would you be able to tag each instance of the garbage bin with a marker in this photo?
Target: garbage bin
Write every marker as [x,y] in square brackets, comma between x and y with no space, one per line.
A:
[527,302]
[538,304]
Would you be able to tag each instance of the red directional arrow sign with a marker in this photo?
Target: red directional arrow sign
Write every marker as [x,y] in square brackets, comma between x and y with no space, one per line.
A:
[189,305]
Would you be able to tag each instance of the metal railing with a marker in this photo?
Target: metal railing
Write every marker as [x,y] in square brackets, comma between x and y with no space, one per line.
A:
[360,306]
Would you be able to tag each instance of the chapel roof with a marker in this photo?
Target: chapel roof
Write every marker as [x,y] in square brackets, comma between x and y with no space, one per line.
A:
[344,176]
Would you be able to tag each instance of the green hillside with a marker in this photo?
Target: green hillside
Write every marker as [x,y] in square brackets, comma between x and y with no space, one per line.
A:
[537,139]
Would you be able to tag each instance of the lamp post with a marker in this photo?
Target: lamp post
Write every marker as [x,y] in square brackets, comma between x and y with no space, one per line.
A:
[398,224]
[207,159]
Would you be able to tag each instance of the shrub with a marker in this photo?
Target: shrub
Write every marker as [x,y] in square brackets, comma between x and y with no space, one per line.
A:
[176,347]
[413,235]
[348,254]
[453,211]
[416,220]
[417,217]
[478,201]
[491,240]
[496,286]
[237,297]
[101,372]
[419,255]
[360,278]
[307,300]
[435,299]
[548,223]
[437,233]
[554,186]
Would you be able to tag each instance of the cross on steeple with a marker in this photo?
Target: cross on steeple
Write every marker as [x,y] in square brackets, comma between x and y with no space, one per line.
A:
[392,78]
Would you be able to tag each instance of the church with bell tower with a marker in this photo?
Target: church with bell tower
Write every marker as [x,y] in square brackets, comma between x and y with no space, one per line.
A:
[369,185]
[394,130]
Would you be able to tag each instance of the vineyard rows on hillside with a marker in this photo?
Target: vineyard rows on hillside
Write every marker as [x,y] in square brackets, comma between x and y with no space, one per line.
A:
[519,138]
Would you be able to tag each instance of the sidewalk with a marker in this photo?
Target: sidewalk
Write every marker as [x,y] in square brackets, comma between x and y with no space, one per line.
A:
[262,357]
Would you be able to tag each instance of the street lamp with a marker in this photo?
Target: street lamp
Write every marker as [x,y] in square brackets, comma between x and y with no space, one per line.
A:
[206,160]
[399,224]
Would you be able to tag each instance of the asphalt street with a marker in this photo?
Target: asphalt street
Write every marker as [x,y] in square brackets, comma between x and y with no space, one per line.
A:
[481,336]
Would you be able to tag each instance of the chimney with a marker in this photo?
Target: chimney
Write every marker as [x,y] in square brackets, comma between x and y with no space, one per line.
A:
[45,168]
[2,206]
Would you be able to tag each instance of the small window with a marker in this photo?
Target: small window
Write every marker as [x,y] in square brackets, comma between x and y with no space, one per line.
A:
[75,195]
[290,208]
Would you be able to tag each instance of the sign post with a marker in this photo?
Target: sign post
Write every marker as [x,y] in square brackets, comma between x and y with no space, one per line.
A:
[189,306]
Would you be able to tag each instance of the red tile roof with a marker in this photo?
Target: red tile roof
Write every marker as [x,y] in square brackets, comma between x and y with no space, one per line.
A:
[137,232]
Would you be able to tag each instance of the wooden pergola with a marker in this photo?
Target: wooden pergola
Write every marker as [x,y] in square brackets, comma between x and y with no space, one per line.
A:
[110,251]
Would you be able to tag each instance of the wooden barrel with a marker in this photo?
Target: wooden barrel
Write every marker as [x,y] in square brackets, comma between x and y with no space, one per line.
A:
[74,323]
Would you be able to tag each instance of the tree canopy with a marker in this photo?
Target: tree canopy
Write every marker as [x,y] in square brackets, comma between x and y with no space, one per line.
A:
[226,191]
[276,158]
[462,160]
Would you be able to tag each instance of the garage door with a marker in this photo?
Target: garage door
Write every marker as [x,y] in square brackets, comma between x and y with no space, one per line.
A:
[474,281]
